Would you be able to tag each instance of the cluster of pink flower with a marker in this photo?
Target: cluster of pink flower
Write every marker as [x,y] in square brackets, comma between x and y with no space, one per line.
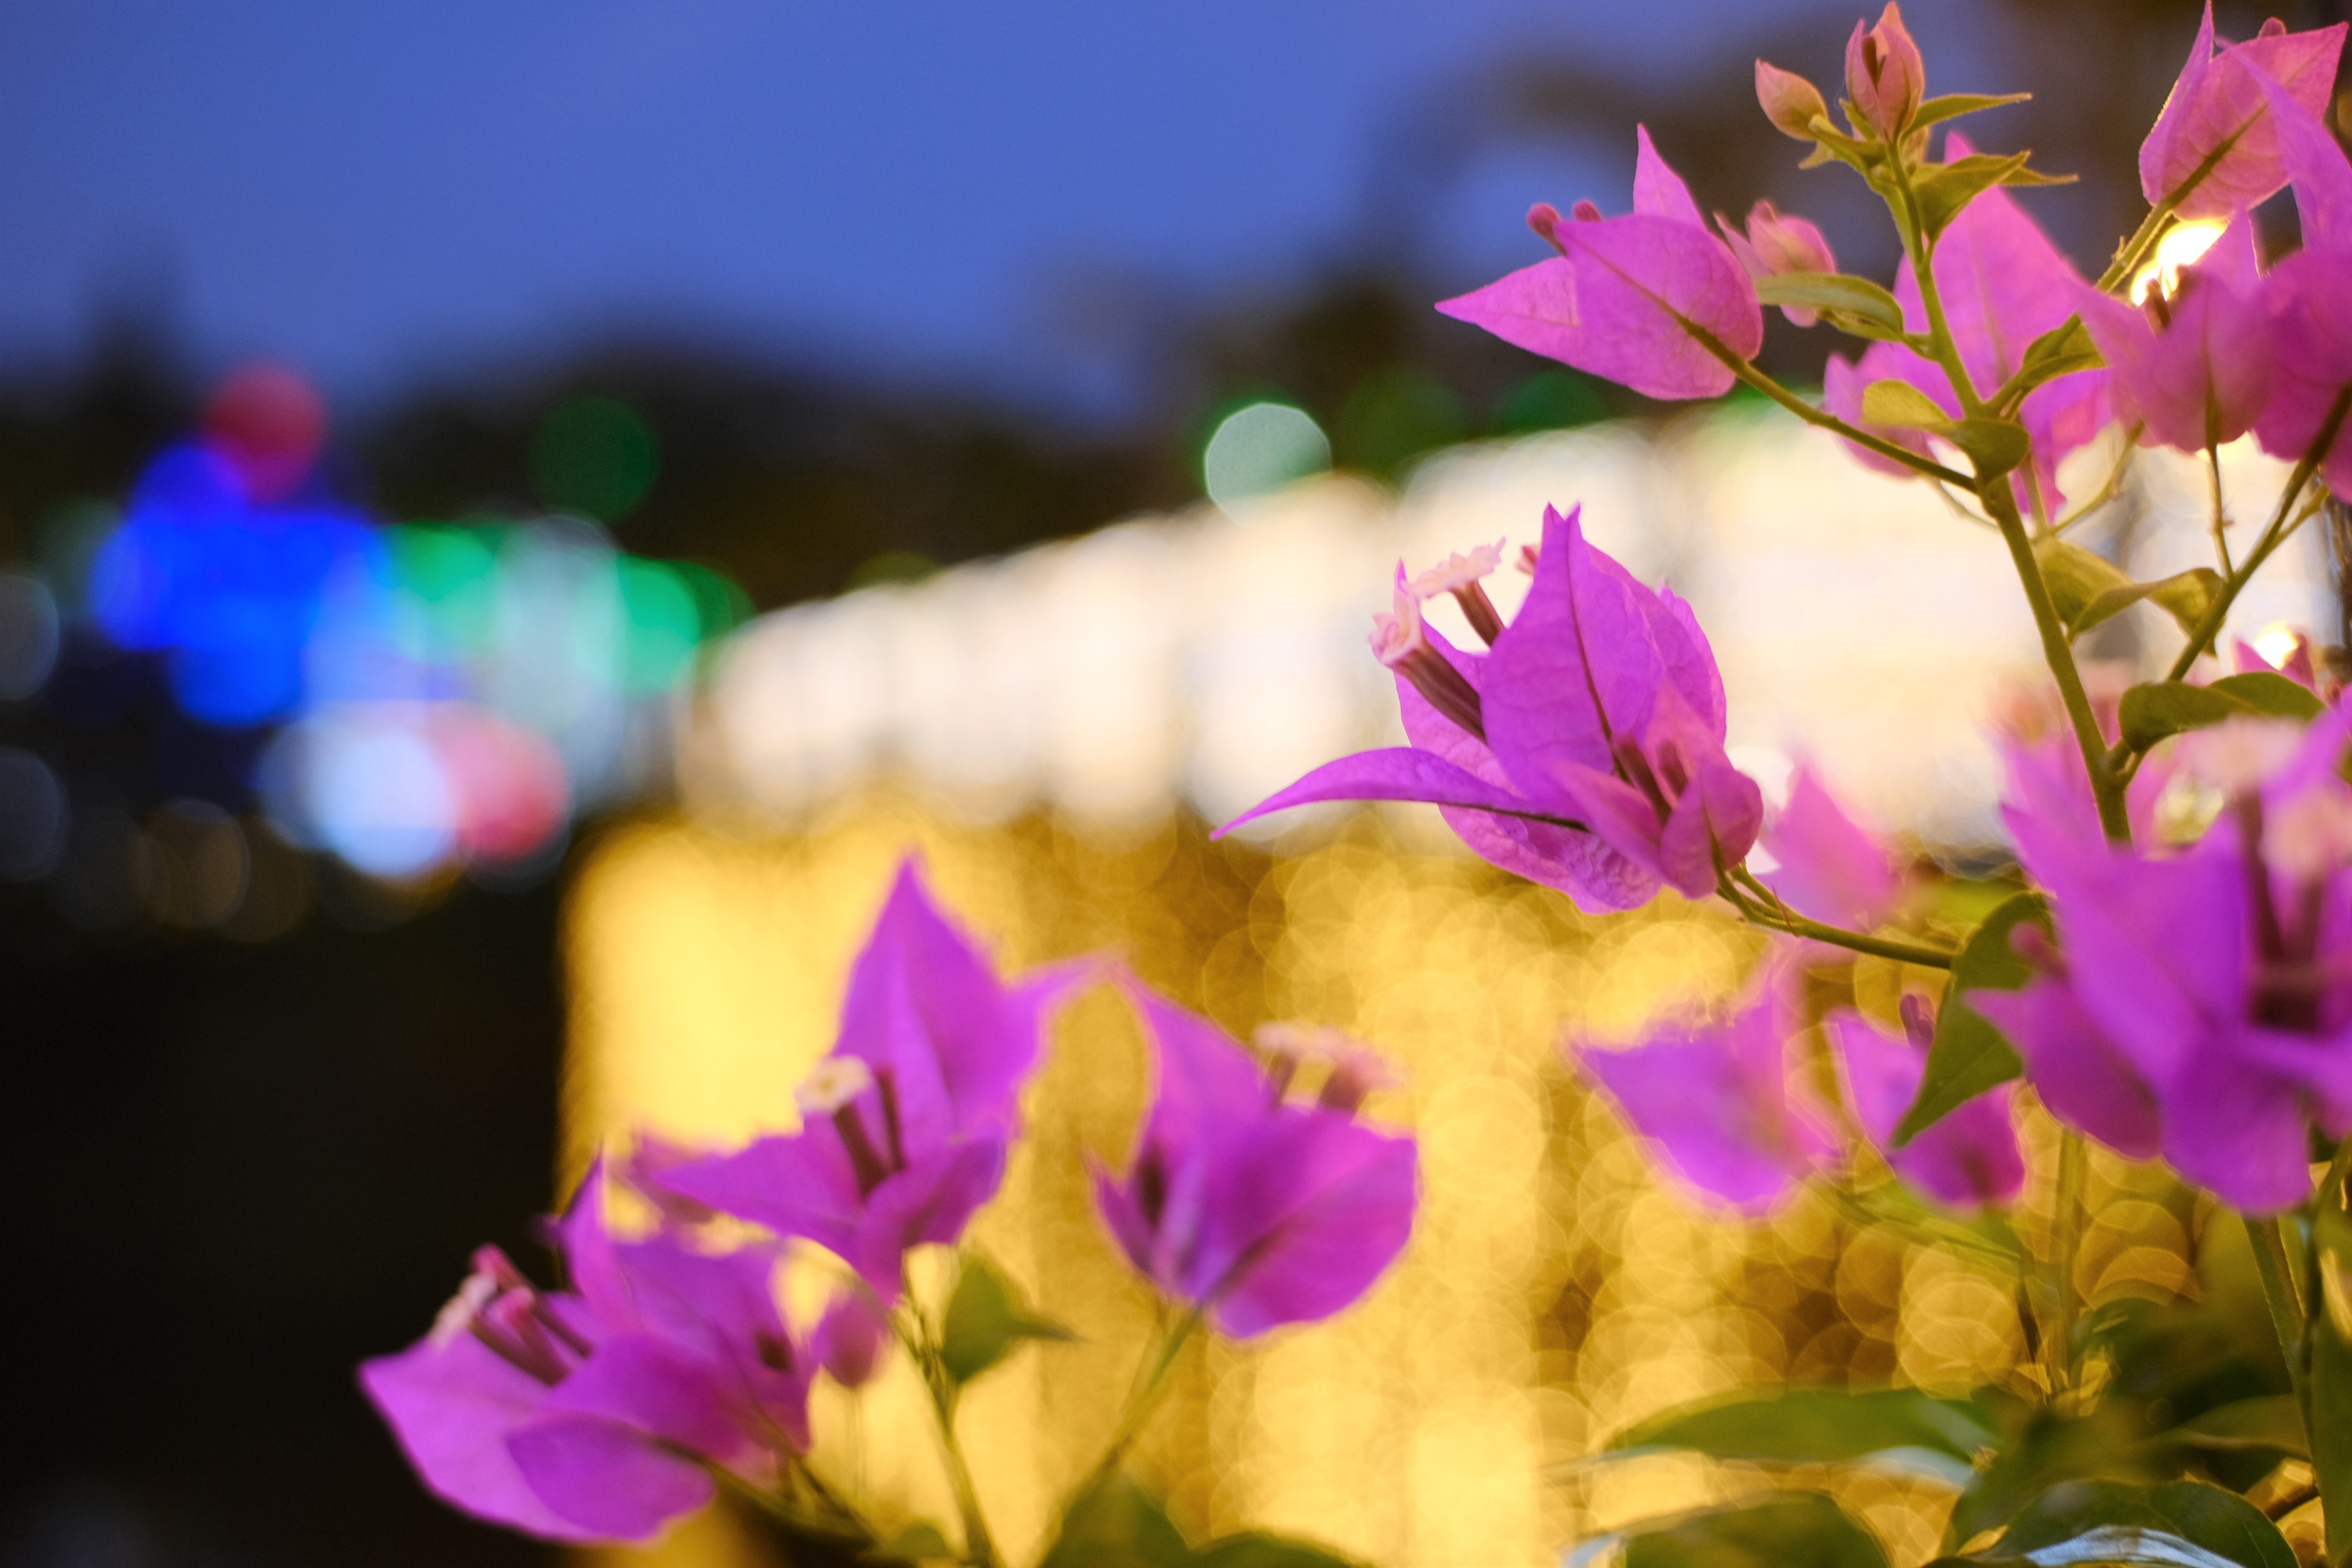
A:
[2182,991]
[607,1407]
[2200,1003]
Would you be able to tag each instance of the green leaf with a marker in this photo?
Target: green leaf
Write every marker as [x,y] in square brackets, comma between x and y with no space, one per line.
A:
[1116,1524]
[920,1541]
[2109,1545]
[2160,709]
[1969,1056]
[2267,691]
[2224,1527]
[1815,1425]
[2185,596]
[2047,1450]
[1903,406]
[1792,1527]
[1946,190]
[1997,446]
[1838,291]
[1254,1549]
[2331,1349]
[2062,351]
[985,1322]
[2271,1421]
[1952,105]
[2075,576]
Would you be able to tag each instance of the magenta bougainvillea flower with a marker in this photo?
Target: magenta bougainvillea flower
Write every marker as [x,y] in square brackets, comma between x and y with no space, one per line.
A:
[2203,1002]
[2194,366]
[1715,1100]
[1634,300]
[905,1126]
[1970,1158]
[1884,76]
[2003,284]
[1256,1208]
[2214,148]
[1584,749]
[1772,245]
[2309,296]
[1828,864]
[594,1414]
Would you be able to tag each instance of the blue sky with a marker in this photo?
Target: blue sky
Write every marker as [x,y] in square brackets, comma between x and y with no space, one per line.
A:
[378,191]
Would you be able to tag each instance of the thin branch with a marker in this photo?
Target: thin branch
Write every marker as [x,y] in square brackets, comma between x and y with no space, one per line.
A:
[2106,492]
[1776,915]
[1825,419]
[2220,518]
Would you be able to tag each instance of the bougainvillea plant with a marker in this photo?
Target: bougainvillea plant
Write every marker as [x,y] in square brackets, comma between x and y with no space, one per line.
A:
[2166,971]
[660,1369]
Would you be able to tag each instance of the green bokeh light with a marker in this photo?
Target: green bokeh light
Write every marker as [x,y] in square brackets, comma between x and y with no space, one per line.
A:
[451,575]
[595,455]
[662,623]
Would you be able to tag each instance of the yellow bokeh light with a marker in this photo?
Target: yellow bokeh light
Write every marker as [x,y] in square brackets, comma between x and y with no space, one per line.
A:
[2277,642]
[2181,247]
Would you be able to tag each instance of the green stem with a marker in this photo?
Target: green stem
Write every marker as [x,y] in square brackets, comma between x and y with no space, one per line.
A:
[1946,351]
[1924,1229]
[1823,419]
[1143,1400]
[2159,217]
[1999,503]
[841,1521]
[2058,651]
[2283,1290]
[2209,626]
[2135,249]
[2065,1240]
[978,1546]
[2106,492]
[2220,516]
[1779,916]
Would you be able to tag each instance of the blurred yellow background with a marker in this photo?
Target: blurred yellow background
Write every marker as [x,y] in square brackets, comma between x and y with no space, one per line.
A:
[1554,1290]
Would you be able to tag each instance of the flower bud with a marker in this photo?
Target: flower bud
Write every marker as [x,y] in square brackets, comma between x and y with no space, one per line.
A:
[851,1336]
[1774,245]
[1791,102]
[1884,76]
[1787,244]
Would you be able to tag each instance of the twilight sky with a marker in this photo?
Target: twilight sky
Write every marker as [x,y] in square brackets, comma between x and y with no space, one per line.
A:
[375,191]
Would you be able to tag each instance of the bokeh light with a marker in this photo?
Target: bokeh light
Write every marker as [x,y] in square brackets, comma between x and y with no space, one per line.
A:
[28,635]
[595,455]
[1260,447]
[32,816]
[2182,246]
[439,692]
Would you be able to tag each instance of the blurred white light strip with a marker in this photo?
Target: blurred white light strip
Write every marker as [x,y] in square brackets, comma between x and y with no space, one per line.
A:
[1210,657]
